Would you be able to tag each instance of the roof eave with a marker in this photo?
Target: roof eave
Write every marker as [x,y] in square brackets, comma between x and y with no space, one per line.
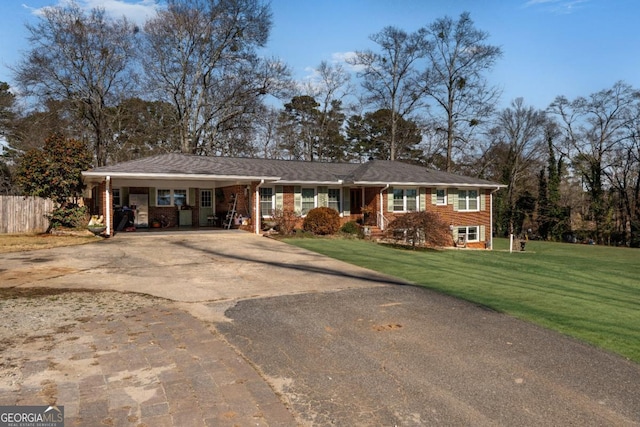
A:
[429,184]
[299,182]
[178,176]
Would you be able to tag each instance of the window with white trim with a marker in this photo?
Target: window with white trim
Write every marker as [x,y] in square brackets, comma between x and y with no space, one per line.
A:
[468,200]
[206,198]
[267,201]
[115,195]
[171,197]
[441,196]
[471,233]
[164,197]
[180,197]
[308,200]
[405,199]
[334,198]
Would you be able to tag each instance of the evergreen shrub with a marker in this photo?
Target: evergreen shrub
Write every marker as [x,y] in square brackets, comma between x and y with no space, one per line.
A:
[350,227]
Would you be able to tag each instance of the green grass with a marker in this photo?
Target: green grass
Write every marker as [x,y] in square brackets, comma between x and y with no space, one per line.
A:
[588,292]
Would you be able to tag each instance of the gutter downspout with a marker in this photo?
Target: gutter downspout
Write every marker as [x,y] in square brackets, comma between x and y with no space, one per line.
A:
[257,208]
[107,207]
[491,216]
[382,207]
[341,207]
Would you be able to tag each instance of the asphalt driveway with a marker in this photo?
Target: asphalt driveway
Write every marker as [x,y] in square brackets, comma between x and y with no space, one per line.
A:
[307,340]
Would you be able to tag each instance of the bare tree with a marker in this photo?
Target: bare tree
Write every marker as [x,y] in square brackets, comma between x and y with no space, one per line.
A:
[142,128]
[454,79]
[84,59]
[520,134]
[330,83]
[265,137]
[30,129]
[330,87]
[624,176]
[200,56]
[595,129]
[390,77]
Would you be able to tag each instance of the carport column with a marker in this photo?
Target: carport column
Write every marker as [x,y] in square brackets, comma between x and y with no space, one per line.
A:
[380,219]
[107,207]
[256,208]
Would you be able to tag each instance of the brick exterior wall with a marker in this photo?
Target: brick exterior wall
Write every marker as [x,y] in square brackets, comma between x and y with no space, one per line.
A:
[446,212]
[246,206]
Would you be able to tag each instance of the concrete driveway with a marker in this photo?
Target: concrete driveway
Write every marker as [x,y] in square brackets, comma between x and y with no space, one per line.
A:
[186,267]
[336,344]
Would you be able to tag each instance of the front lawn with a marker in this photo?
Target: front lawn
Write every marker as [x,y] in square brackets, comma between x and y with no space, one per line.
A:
[29,242]
[589,292]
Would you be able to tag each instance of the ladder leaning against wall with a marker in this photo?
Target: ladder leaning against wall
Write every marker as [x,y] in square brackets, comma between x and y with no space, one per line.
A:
[231,213]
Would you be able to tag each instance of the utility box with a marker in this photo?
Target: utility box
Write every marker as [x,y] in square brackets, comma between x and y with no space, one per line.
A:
[185,217]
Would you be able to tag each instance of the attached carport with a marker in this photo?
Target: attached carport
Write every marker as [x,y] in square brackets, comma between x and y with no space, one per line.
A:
[103,188]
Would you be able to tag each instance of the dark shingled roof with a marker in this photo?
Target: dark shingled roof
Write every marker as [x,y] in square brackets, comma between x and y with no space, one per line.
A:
[285,171]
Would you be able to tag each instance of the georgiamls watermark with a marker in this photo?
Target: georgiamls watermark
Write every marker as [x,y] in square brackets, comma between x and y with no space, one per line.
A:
[32,416]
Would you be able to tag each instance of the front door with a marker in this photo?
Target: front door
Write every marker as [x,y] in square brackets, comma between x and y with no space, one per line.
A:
[206,208]
[356,201]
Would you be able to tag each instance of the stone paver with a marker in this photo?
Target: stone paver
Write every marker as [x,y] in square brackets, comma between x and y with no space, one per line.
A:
[158,366]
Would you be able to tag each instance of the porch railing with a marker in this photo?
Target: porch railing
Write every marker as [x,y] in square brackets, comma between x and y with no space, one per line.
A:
[383,221]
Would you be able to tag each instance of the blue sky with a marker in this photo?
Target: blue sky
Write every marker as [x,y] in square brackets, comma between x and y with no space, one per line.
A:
[550,47]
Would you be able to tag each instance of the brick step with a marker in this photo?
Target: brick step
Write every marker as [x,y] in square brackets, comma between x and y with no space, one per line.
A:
[375,232]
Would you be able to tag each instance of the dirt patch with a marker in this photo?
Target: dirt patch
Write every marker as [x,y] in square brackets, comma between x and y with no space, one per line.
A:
[35,320]
[18,277]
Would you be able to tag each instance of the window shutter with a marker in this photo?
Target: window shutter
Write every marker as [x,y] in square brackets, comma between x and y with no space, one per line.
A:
[434,196]
[192,197]
[422,203]
[153,196]
[483,230]
[453,199]
[297,199]
[279,198]
[346,201]
[323,196]
[483,201]
[390,199]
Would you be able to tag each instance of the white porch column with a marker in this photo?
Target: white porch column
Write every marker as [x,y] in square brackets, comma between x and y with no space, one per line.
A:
[256,209]
[107,207]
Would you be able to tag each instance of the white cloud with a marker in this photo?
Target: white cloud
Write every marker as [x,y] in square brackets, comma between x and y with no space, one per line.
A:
[557,6]
[344,58]
[137,11]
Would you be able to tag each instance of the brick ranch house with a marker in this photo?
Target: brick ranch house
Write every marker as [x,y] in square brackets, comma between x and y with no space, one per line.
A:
[198,191]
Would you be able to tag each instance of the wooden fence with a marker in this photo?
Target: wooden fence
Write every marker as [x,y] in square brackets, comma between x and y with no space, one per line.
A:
[20,214]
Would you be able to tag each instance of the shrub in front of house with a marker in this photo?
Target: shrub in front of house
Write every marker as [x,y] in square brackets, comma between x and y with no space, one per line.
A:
[322,221]
[69,216]
[420,229]
[285,221]
[350,227]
